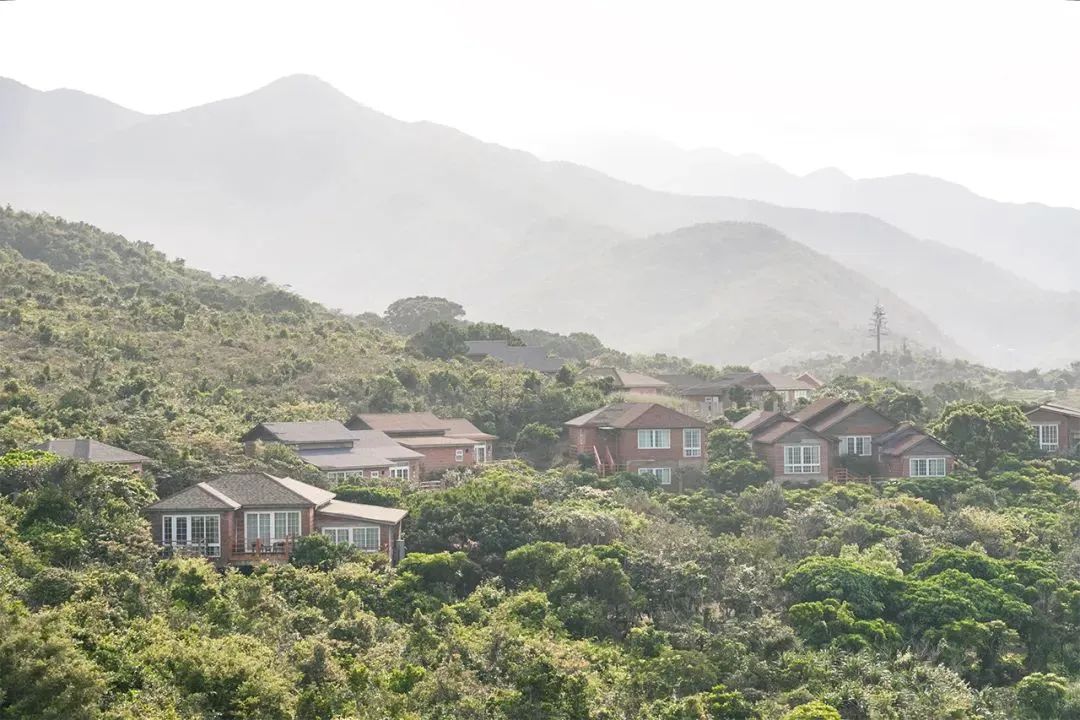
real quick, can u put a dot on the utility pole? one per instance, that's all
(879, 324)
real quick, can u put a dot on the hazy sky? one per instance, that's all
(983, 92)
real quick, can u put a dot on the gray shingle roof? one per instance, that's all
(91, 451)
(257, 489)
(412, 423)
(530, 358)
(371, 449)
(196, 497)
(317, 431)
(623, 415)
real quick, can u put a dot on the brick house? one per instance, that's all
(855, 441)
(752, 389)
(341, 454)
(793, 451)
(442, 444)
(251, 517)
(1057, 428)
(626, 381)
(92, 451)
(646, 438)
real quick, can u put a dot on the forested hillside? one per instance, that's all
(543, 594)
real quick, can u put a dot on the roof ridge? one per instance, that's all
(217, 494)
(279, 481)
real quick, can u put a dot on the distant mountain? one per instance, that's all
(1031, 239)
(726, 293)
(299, 183)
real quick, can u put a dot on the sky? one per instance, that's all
(982, 92)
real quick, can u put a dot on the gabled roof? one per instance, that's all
(460, 427)
(530, 358)
(90, 451)
(357, 511)
(905, 437)
(196, 497)
(625, 378)
(626, 415)
(818, 409)
(422, 441)
(417, 423)
(809, 379)
(756, 419)
(259, 489)
(1055, 408)
(296, 433)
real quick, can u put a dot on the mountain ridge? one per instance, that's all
(356, 213)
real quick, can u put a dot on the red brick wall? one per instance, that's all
(900, 466)
(441, 458)
(1066, 427)
(626, 452)
(773, 456)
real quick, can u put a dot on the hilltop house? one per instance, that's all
(840, 439)
(626, 381)
(251, 517)
(523, 356)
(1057, 428)
(340, 453)
(442, 444)
(93, 451)
(740, 389)
(646, 438)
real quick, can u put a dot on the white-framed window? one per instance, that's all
(656, 439)
(802, 459)
(927, 467)
(459, 455)
(375, 473)
(199, 533)
(400, 472)
(266, 529)
(691, 442)
(336, 477)
(1075, 441)
(364, 537)
(800, 394)
(1047, 435)
(480, 453)
(661, 474)
(856, 445)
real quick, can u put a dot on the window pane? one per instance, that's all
(181, 529)
(166, 530)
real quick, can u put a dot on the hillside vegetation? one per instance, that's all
(550, 594)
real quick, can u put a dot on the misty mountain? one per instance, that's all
(1031, 239)
(727, 293)
(299, 183)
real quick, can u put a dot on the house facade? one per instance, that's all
(441, 444)
(745, 389)
(92, 451)
(341, 454)
(832, 438)
(253, 517)
(626, 381)
(646, 438)
(1057, 428)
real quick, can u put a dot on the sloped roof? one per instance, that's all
(530, 358)
(90, 451)
(625, 378)
(777, 430)
(779, 381)
(625, 415)
(414, 422)
(434, 441)
(817, 409)
(810, 379)
(256, 489)
(316, 431)
(755, 419)
(905, 437)
(373, 513)
(371, 448)
(460, 427)
(196, 497)
(1059, 409)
